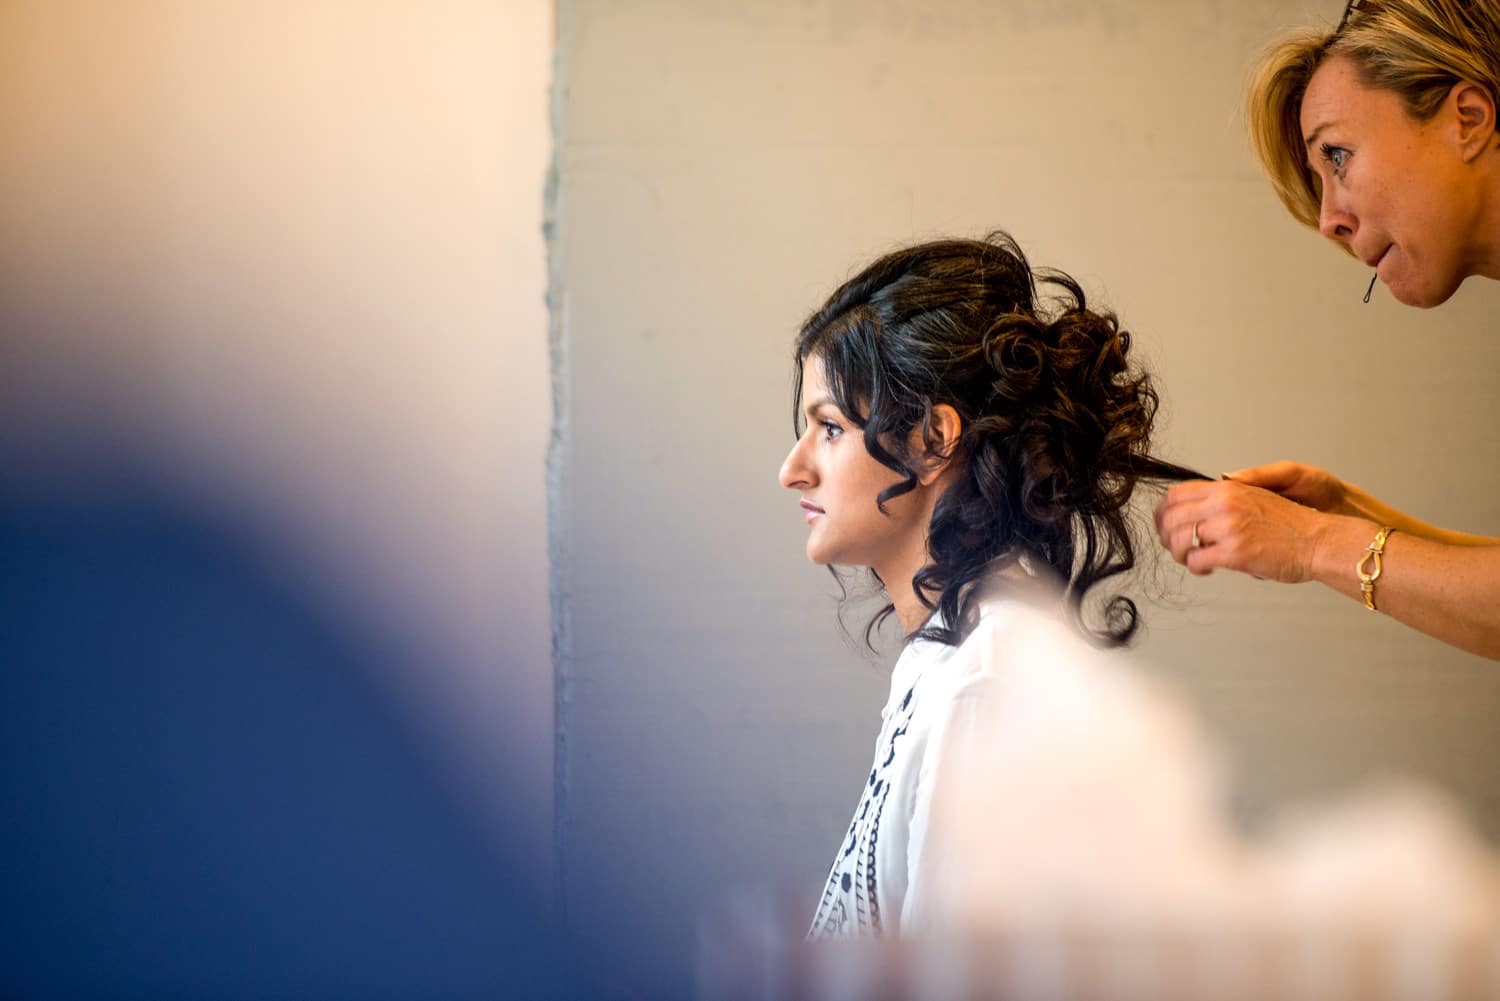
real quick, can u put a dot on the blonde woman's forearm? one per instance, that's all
(1448, 591)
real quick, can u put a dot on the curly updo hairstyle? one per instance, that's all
(1056, 425)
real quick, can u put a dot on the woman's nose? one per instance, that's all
(1334, 220)
(794, 474)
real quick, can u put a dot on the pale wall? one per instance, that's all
(723, 165)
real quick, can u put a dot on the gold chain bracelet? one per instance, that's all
(1371, 558)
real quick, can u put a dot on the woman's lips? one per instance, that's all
(811, 511)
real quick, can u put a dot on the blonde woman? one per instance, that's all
(1382, 135)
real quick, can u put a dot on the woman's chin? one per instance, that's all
(1420, 298)
(1423, 292)
(824, 555)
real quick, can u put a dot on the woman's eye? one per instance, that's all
(831, 430)
(1337, 156)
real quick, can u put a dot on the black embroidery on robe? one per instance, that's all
(853, 879)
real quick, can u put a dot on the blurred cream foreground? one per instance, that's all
(1079, 846)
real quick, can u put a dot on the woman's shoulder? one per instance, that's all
(1022, 638)
(1021, 625)
(1018, 618)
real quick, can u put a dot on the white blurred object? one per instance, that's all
(1079, 846)
(1081, 793)
(1089, 806)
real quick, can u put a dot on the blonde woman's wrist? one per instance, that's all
(1355, 503)
(1338, 546)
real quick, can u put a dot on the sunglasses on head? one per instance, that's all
(1349, 8)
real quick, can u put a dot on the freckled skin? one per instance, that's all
(1419, 193)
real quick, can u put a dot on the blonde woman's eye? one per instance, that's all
(1337, 156)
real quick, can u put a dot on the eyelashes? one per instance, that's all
(1336, 156)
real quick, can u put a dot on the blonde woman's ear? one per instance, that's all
(1474, 109)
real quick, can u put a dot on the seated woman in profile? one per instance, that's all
(964, 443)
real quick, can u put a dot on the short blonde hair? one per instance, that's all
(1417, 49)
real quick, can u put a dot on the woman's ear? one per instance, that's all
(1474, 111)
(935, 443)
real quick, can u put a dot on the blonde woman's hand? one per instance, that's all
(1250, 529)
(1307, 485)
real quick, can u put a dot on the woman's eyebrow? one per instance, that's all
(1312, 136)
(811, 409)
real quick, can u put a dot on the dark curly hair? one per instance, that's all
(1056, 425)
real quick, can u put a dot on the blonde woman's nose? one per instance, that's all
(1335, 221)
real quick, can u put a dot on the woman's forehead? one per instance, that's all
(1337, 95)
(1328, 97)
(815, 393)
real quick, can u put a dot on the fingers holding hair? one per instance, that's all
(1184, 522)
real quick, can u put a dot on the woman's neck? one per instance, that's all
(897, 571)
(909, 609)
(896, 574)
(1485, 243)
